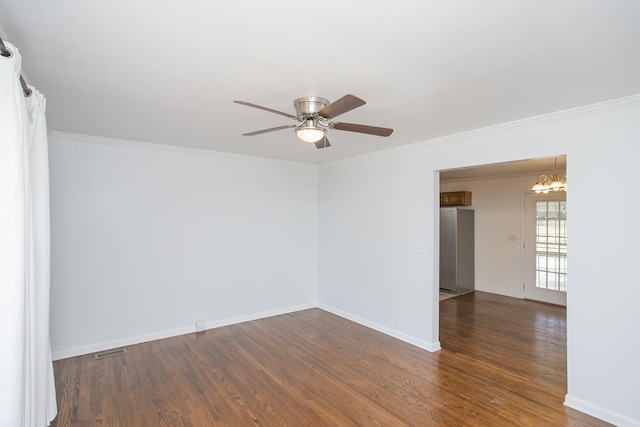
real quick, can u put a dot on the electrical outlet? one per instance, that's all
(201, 325)
(359, 296)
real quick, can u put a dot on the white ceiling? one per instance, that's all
(166, 72)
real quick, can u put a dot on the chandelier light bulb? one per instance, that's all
(542, 185)
(556, 186)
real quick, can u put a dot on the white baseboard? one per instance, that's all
(598, 412)
(107, 345)
(429, 346)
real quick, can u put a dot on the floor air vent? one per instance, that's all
(109, 353)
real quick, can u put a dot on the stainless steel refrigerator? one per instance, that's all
(457, 271)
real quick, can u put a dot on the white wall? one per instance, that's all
(141, 235)
(371, 218)
(374, 209)
(497, 203)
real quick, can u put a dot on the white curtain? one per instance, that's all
(27, 389)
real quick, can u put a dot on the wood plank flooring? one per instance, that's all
(503, 363)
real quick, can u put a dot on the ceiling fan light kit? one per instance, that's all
(309, 131)
(314, 114)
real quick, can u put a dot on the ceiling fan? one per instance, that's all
(313, 115)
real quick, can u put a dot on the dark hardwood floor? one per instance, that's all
(502, 364)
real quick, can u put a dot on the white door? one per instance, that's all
(545, 247)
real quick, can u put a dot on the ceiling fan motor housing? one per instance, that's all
(309, 106)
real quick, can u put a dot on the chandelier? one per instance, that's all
(553, 183)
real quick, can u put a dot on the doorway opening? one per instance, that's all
(498, 193)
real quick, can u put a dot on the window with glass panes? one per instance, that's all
(551, 245)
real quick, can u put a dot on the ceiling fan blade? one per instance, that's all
(342, 105)
(371, 130)
(248, 104)
(323, 143)
(258, 132)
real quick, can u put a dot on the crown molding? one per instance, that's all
(99, 140)
(529, 122)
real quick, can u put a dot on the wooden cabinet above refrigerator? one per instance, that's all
(455, 198)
